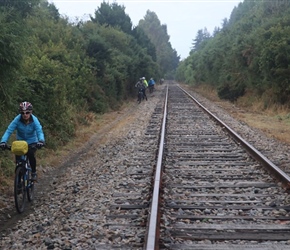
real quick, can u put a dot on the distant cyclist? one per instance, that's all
(143, 79)
(145, 82)
(29, 129)
(151, 84)
(141, 86)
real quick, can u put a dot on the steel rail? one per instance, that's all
(272, 168)
(153, 235)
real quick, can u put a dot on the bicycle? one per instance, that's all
(140, 95)
(151, 88)
(23, 183)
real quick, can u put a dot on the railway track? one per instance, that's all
(214, 195)
(186, 182)
(211, 192)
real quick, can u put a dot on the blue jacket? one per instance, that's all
(151, 82)
(31, 132)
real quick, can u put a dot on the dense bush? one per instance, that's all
(231, 92)
(252, 48)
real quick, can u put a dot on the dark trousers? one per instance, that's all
(144, 93)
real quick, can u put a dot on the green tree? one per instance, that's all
(249, 53)
(201, 38)
(167, 57)
(113, 15)
(144, 41)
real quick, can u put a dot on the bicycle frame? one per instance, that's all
(24, 162)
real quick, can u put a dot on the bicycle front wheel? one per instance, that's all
(19, 190)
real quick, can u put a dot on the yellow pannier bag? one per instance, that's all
(19, 147)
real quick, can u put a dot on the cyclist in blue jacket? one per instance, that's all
(29, 129)
(151, 84)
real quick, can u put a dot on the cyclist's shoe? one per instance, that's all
(33, 176)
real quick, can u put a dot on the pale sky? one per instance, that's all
(183, 17)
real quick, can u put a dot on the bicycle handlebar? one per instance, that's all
(32, 145)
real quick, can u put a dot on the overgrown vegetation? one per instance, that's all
(250, 53)
(67, 70)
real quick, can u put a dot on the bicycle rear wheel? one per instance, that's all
(19, 190)
(140, 96)
(30, 188)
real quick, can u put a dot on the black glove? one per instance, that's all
(3, 145)
(40, 144)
